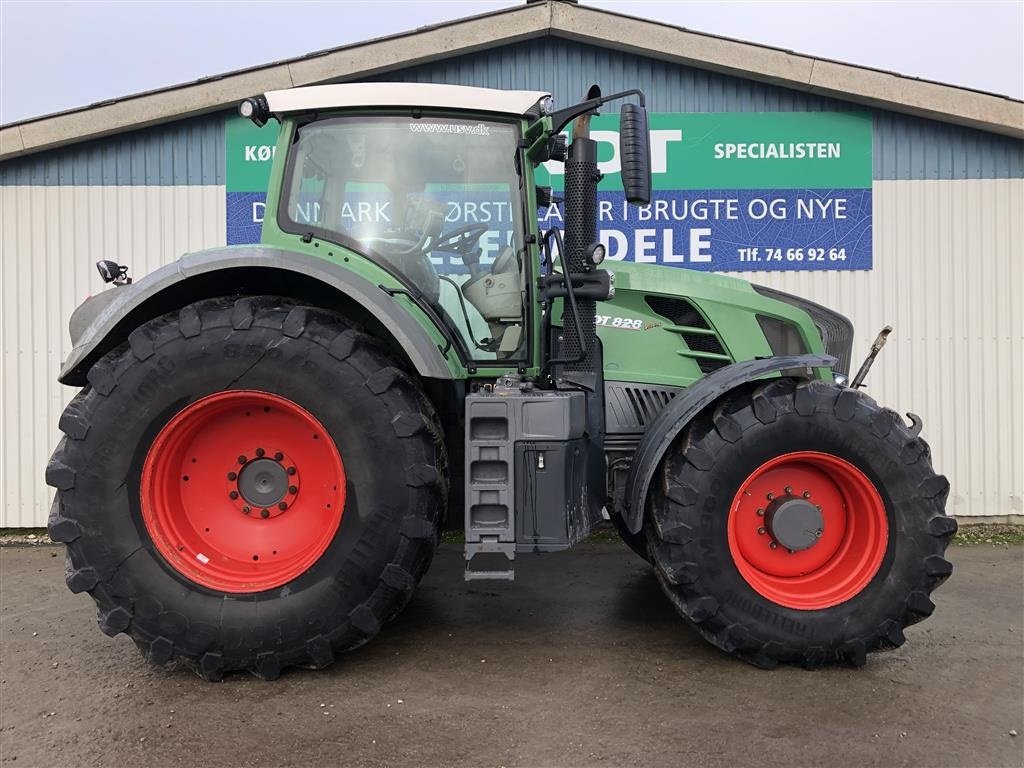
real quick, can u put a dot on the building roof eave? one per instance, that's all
(856, 84)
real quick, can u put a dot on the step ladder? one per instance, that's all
(490, 495)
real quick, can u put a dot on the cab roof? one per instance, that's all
(425, 95)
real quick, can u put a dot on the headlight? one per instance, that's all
(255, 109)
(835, 330)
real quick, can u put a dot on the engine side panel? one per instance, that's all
(649, 334)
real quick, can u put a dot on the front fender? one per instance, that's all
(104, 317)
(675, 416)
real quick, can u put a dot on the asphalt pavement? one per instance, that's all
(581, 661)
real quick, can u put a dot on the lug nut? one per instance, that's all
(264, 513)
(278, 456)
(818, 507)
(818, 532)
(789, 489)
(233, 495)
(293, 489)
(242, 459)
(770, 496)
(773, 545)
(760, 512)
(761, 531)
(232, 475)
(260, 452)
(807, 494)
(282, 505)
(291, 470)
(246, 510)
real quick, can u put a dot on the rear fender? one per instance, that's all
(681, 410)
(106, 320)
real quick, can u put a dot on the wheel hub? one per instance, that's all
(263, 483)
(794, 523)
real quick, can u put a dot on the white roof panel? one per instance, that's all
(426, 95)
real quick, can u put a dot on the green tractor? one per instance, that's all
(270, 439)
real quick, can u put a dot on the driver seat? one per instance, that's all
(497, 295)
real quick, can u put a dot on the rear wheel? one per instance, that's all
(800, 523)
(248, 484)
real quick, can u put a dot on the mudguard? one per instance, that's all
(100, 316)
(674, 417)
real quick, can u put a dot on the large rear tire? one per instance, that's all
(800, 523)
(248, 485)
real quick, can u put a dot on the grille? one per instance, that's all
(630, 408)
(678, 311)
(681, 312)
(837, 337)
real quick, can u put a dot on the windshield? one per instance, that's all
(435, 200)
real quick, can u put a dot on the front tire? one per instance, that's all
(248, 485)
(858, 515)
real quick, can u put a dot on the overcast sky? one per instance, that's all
(58, 55)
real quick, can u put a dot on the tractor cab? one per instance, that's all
(435, 199)
(429, 182)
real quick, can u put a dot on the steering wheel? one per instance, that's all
(463, 242)
(410, 256)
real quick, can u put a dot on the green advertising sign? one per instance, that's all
(744, 150)
(250, 153)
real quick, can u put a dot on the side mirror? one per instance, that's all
(112, 272)
(635, 151)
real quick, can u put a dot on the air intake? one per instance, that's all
(630, 408)
(699, 337)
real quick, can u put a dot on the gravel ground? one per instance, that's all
(580, 662)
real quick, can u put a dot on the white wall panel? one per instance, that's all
(50, 238)
(949, 277)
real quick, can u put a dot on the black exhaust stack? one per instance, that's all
(580, 344)
(581, 177)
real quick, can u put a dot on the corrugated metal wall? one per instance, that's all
(948, 242)
(188, 152)
(50, 238)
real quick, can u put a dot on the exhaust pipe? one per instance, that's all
(581, 177)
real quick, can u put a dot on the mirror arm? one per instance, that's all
(562, 117)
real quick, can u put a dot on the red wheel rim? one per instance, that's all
(848, 546)
(242, 491)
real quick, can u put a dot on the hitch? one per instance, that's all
(876, 347)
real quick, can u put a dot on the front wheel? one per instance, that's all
(799, 523)
(248, 485)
